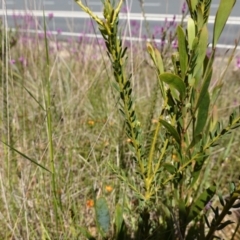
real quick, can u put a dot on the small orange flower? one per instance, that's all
(154, 121)
(175, 158)
(109, 188)
(91, 122)
(90, 203)
(129, 140)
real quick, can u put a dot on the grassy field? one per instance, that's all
(84, 135)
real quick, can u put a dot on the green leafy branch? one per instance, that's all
(109, 30)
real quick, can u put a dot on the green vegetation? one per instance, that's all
(106, 147)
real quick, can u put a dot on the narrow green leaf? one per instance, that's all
(25, 156)
(151, 52)
(195, 176)
(199, 163)
(221, 200)
(224, 224)
(118, 218)
(156, 57)
(123, 52)
(199, 204)
(223, 13)
(40, 105)
(232, 187)
(171, 130)
(192, 5)
(169, 167)
(191, 32)
(195, 43)
(200, 18)
(207, 8)
(183, 54)
(204, 89)
(174, 94)
(102, 214)
(201, 50)
(206, 220)
(116, 86)
(202, 115)
(175, 82)
(195, 140)
(159, 60)
(182, 208)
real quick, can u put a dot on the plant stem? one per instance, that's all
(49, 124)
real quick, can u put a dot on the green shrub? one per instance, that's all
(170, 179)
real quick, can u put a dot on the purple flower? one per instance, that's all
(171, 23)
(208, 53)
(101, 42)
(12, 61)
(238, 62)
(162, 43)
(208, 205)
(80, 39)
(157, 30)
(49, 34)
(28, 18)
(144, 37)
(184, 8)
(23, 61)
(134, 23)
(50, 16)
(125, 10)
(175, 44)
(20, 16)
(59, 31)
